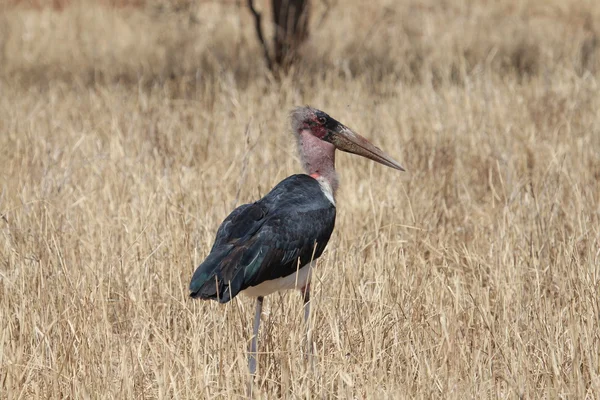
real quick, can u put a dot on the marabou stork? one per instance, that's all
(270, 245)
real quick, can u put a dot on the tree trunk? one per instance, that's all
(291, 29)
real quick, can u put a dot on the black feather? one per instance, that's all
(266, 240)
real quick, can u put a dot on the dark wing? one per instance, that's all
(266, 240)
(208, 280)
(241, 221)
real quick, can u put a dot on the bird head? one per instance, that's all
(324, 127)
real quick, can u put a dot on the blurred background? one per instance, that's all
(129, 129)
(191, 41)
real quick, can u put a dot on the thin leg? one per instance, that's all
(306, 298)
(252, 357)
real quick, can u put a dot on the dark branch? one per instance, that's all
(291, 29)
(259, 33)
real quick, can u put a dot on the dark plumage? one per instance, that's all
(269, 245)
(266, 240)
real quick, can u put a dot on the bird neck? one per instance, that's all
(318, 158)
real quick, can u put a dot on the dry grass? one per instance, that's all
(475, 275)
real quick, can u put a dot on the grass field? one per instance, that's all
(128, 134)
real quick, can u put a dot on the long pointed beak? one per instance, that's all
(343, 138)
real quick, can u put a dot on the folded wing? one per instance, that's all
(266, 240)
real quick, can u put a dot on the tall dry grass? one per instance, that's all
(474, 275)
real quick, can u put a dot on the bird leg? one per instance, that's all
(306, 297)
(252, 357)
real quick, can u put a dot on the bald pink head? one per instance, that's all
(322, 126)
(319, 136)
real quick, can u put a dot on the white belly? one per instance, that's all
(297, 280)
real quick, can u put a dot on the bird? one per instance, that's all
(272, 244)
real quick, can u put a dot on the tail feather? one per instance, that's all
(207, 281)
(227, 270)
(222, 275)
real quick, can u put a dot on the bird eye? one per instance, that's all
(322, 120)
